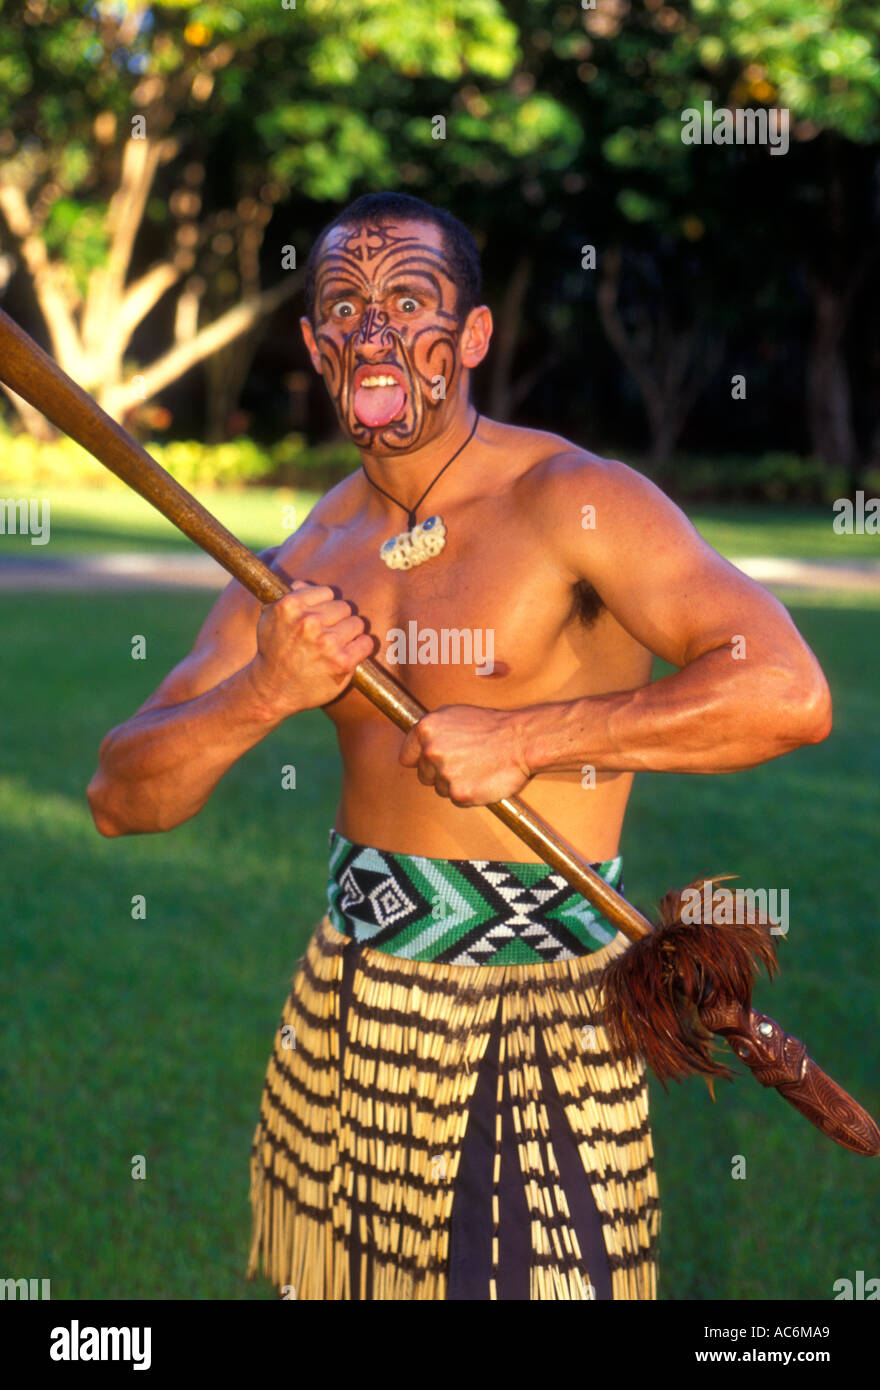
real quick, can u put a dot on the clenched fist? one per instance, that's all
(471, 755)
(308, 644)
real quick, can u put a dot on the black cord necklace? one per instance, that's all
(420, 542)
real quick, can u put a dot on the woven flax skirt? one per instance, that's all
(431, 1130)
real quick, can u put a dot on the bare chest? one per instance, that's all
(488, 621)
(474, 596)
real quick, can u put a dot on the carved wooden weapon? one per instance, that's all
(666, 996)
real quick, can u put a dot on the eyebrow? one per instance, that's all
(418, 291)
(336, 285)
(418, 275)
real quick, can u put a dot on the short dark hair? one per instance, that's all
(461, 249)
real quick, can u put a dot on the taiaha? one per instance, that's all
(678, 985)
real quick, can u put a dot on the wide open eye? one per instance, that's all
(343, 310)
(407, 305)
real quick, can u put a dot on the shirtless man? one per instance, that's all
(582, 570)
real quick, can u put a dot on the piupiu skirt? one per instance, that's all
(451, 1132)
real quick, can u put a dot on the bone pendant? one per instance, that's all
(414, 547)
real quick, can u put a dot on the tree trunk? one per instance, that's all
(666, 427)
(34, 421)
(829, 399)
(671, 366)
(509, 320)
(225, 375)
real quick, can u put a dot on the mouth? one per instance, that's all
(379, 395)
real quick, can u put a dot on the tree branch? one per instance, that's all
(47, 279)
(612, 322)
(140, 298)
(210, 339)
(140, 160)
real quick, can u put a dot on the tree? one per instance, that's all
(817, 62)
(100, 106)
(678, 228)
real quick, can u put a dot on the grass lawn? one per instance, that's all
(84, 520)
(124, 1037)
(115, 518)
(791, 532)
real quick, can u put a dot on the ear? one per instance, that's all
(309, 340)
(476, 336)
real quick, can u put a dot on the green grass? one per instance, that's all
(792, 532)
(114, 518)
(122, 1037)
(806, 1213)
(85, 520)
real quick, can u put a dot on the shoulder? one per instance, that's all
(563, 472)
(589, 511)
(550, 480)
(561, 482)
(335, 508)
(548, 464)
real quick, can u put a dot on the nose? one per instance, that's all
(371, 330)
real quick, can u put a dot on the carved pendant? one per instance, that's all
(414, 547)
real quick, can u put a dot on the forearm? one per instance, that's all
(159, 768)
(715, 715)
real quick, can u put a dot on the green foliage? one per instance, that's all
(29, 465)
(80, 233)
(324, 148)
(442, 40)
(818, 58)
(770, 477)
(538, 125)
(870, 482)
(329, 98)
(322, 465)
(636, 207)
(558, 119)
(195, 464)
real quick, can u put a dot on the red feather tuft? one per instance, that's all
(653, 991)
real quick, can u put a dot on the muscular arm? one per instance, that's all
(159, 768)
(749, 687)
(250, 668)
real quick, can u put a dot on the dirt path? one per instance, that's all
(122, 570)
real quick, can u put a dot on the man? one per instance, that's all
(443, 1117)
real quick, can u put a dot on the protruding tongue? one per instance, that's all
(378, 405)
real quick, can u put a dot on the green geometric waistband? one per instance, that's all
(462, 911)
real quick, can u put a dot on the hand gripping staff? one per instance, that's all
(679, 983)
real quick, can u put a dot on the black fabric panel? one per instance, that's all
(470, 1262)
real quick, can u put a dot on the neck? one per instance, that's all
(406, 475)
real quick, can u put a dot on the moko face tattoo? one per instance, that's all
(387, 332)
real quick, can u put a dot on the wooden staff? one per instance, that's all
(665, 997)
